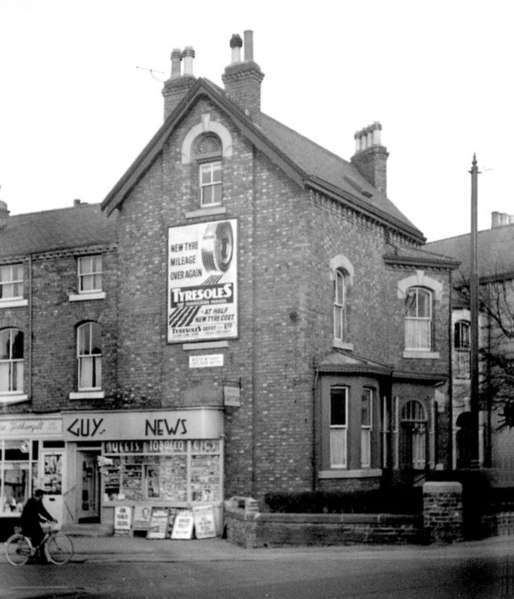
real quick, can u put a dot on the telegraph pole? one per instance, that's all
(474, 401)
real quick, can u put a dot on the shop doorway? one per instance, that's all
(89, 486)
(51, 475)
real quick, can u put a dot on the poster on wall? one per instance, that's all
(202, 282)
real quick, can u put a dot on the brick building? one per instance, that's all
(496, 285)
(245, 312)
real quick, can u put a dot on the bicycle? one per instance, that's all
(57, 547)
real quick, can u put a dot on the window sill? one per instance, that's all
(82, 297)
(8, 398)
(363, 473)
(87, 395)
(342, 344)
(421, 354)
(215, 210)
(13, 303)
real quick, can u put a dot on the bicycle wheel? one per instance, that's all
(59, 549)
(18, 550)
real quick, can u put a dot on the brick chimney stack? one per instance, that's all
(242, 78)
(500, 219)
(177, 86)
(370, 157)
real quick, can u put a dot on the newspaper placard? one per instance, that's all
(183, 525)
(202, 282)
(205, 527)
(158, 528)
(122, 518)
(142, 517)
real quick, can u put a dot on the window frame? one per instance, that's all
(211, 185)
(94, 358)
(15, 376)
(341, 428)
(94, 274)
(413, 323)
(339, 305)
(462, 351)
(366, 429)
(12, 281)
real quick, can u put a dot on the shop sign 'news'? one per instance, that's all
(173, 424)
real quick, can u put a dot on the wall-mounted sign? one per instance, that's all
(202, 282)
(16, 428)
(200, 423)
(208, 361)
(232, 396)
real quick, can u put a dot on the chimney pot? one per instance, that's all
(248, 35)
(235, 44)
(176, 58)
(188, 54)
(4, 214)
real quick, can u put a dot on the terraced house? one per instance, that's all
(245, 312)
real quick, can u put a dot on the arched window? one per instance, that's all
(418, 319)
(462, 347)
(89, 356)
(208, 152)
(413, 435)
(11, 361)
(339, 305)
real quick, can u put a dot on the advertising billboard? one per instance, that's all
(202, 282)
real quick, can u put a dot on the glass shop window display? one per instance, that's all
(18, 473)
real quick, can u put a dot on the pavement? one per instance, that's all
(140, 549)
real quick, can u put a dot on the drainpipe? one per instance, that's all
(450, 370)
(29, 390)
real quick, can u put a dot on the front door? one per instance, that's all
(89, 492)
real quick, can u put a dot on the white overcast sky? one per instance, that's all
(76, 110)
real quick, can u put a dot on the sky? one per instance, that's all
(79, 102)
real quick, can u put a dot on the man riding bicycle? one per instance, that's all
(34, 512)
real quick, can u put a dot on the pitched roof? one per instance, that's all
(495, 251)
(419, 258)
(304, 161)
(36, 232)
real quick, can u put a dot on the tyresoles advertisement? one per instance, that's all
(202, 282)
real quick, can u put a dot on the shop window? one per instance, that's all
(366, 426)
(418, 319)
(462, 349)
(18, 474)
(11, 282)
(89, 356)
(172, 471)
(338, 427)
(11, 361)
(90, 274)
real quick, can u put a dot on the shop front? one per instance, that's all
(31, 456)
(144, 460)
